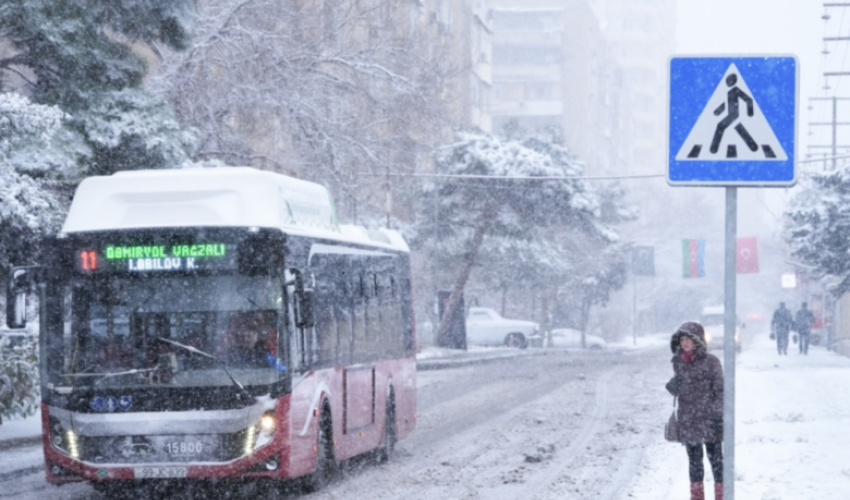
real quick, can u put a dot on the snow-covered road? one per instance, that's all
(566, 425)
(556, 427)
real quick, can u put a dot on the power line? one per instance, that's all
(522, 177)
(824, 159)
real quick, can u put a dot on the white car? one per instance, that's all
(484, 326)
(712, 321)
(567, 337)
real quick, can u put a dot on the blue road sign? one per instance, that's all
(733, 121)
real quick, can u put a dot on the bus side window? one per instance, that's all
(324, 269)
(360, 321)
(346, 318)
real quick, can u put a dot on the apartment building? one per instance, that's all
(465, 31)
(552, 67)
(641, 34)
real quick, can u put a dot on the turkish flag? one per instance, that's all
(747, 256)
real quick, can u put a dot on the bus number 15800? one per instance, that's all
(184, 448)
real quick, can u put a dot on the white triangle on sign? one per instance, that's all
(741, 137)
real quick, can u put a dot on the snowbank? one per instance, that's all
(791, 437)
(21, 427)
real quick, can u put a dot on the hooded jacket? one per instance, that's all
(699, 387)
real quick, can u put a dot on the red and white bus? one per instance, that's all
(217, 323)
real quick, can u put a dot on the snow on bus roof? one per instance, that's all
(214, 197)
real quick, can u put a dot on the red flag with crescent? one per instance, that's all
(747, 256)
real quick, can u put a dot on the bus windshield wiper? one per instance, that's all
(221, 362)
(106, 375)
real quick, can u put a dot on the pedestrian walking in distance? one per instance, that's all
(780, 325)
(803, 324)
(698, 384)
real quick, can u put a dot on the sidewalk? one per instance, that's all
(437, 358)
(791, 439)
(20, 447)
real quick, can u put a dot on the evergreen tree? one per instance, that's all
(817, 226)
(27, 207)
(514, 198)
(78, 55)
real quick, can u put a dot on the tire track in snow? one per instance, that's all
(585, 435)
(473, 448)
(636, 409)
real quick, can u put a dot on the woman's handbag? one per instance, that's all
(671, 429)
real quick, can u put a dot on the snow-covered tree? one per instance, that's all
(79, 55)
(817, 226)
(497, 193)
(339, 91)
(19, 387)
(28, 208)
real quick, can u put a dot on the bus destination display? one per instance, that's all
(157, 258)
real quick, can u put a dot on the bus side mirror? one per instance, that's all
(305, 299)
(306, 304)
(17, 287)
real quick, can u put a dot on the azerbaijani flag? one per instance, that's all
(693, 258)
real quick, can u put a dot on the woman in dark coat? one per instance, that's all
(698, 385)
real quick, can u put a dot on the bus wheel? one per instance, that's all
(325, 459)
(388, 441)
(516, 340)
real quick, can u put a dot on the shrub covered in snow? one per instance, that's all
(19, 381)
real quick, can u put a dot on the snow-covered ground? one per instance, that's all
(791, 439)
(576, 425)
(17, 458)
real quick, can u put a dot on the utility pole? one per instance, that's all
(834, 123)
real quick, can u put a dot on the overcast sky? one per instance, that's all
(773, 27)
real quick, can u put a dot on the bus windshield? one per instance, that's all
(141, 331)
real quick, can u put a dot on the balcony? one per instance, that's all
(548, 72)
(532, 38)
(527, 108)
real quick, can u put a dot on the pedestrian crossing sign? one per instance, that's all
(732, 121)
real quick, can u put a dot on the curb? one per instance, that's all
(15, 474)
(443, 363)
(8, 444)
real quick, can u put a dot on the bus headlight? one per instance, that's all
(64, 440)
(261, 433)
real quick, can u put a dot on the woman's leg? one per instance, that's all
(715, 458)
(695, 468)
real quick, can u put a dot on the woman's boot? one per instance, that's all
(697, 491)
(718, 491)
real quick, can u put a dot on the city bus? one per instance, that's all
(217, 323)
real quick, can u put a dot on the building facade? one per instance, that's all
(553, 68)
(641, 34)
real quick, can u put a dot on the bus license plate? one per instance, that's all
(159, 472)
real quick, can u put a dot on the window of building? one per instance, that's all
(638, 22)
(524, 55)
(537, 91)
(508, 91)
(531, 20)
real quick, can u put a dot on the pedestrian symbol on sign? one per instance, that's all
(753, 139)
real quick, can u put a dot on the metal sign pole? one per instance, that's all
(704, 149)
(729, 344)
